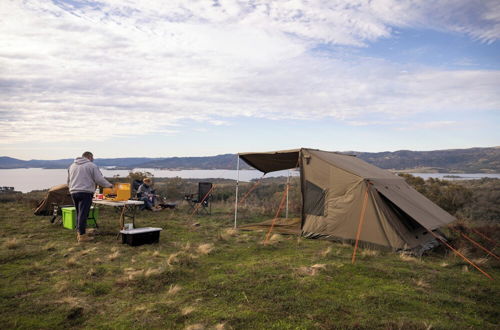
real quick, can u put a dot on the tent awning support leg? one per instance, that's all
(237, 186)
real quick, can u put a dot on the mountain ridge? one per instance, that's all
(471, 160)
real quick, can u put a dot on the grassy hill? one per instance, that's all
(203, 275)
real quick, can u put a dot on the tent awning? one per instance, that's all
(272, 161)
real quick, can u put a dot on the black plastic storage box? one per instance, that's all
(139, 236)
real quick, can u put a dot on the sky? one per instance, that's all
(151, 78)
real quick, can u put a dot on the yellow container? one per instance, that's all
(119, 192)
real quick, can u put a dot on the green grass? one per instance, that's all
(47, 280)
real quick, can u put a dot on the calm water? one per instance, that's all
(28, 179)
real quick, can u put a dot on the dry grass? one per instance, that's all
(181, 258)
(62, 286)
(12, 243)
(220, 326)
(144, 308)
(153, 272)
(113, 256)
(326, 252)
(464, 251)
(187, 310)
(276, 238)
(205, 248)
(87, 251)
(186, 246)
(72, 262)
(428, 326)
(311, 270)
(132, 274)
(227, 234)
(480, 261)
(50, 246)
(231, 232)
(422, 283)
(407, 257)
(195, 327)
(369, 253)
(465, 269)
(174, 289)
(91, 272)
(156, 254)
(71, 301)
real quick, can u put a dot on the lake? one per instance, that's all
(28, 179)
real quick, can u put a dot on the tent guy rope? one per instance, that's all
(459, 254)
(197, 206)
(479, 245)
(361, 220)
(285, 193)
(251, 189)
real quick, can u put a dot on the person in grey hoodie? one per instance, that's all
(83, 175)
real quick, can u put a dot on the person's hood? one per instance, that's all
(81, 160)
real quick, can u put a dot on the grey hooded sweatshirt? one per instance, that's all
(83, 175)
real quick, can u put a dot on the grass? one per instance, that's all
(209, 276)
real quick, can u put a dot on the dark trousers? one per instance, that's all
(149, 202)
(82, 201)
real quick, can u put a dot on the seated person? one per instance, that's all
(146, 194)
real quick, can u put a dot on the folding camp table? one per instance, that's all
(127, 209)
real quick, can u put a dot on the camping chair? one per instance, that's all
(135, 185)
(202, 198)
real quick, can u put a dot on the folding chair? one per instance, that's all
(203, 198)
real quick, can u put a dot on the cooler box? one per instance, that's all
(139, 236)
(69, 217)
(119, 192)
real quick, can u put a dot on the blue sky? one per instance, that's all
(177, 78)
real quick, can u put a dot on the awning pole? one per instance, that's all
(237, 186)
(287, 188)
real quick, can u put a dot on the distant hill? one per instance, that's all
(226, 161)
(473, 160)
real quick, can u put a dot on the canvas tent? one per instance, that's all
(336, 187)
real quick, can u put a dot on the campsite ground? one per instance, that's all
(209, 276)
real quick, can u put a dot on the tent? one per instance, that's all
(57, 195)
(346, 199)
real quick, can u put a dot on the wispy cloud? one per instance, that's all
(438, 124)
(146, 66)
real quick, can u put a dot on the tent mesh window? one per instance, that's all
(314, 199)
(406, 220)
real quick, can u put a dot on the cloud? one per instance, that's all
(432, 125)
(94, 70)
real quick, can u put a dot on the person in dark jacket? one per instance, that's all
(146, 194)
(83, 176)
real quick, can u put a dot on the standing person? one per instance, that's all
(83, 175)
